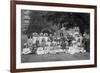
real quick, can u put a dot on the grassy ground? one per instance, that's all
(54, 57)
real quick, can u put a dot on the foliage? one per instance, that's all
(55, 20)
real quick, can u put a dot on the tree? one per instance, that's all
(55, 20)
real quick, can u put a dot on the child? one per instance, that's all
(26, 50)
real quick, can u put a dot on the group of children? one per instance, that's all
(44, 43)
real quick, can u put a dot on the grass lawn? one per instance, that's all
(54, 57)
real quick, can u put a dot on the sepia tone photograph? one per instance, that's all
(48, 36)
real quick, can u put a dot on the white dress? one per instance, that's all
(34, 39)
(26, 51)
(40, 39)
(46, 38)
(40, 51)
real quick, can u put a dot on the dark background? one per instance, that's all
(53, 21)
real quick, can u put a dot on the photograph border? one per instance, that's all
(13, 35)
